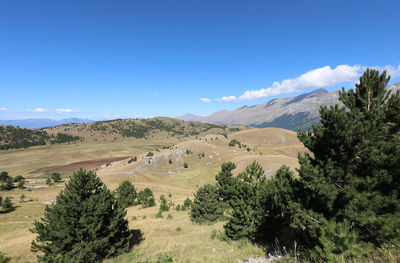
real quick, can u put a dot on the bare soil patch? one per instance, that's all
(88, 165)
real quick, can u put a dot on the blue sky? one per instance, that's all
(104, 59)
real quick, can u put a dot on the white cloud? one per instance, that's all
(316, 78)
(66, 111)
(37, 110)
(206, 100)
(3, 109)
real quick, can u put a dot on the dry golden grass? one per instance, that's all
(193, 243)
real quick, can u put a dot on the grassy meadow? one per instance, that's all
(174, 232)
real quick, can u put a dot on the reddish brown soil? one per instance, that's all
(88, 165)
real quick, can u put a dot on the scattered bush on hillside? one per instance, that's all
(56, 177)
(133, 159)
(187, 204)
(149, 154)
(234, 142)
(85, 224)
(185, 165)
(206, 208)
(126, 194)
(6, 204)
(146, 198)
(19, 178)
(163, 204)
(7, 185)
(21, 185)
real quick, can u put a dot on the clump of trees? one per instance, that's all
(234, 142)
(344, 201)
(206, 207)
(86, 224)
(7, 182)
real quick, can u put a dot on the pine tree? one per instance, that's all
(7, 205)
(206, 207)
(226, 182)
(146, 198)
(352, 178)
(126, 194)
(245, 204)
(86, 224)
(163, 204)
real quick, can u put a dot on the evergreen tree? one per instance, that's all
(86, 224)
(226, 182)
(245, 204)
(126, 194)
(163, 204)
(56, 177)
(7, 184)
(146, 198)
(7, 205)
(206, 207)
(352, 178)
(4, 176)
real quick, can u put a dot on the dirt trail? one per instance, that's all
(88, 165)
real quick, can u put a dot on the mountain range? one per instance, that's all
(42, 123)
(293, 113)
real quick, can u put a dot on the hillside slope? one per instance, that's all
(293, 113)
(160, 127)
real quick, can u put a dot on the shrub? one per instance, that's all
(126, 194)
(206, 208)
(21, 184)
(187, 204)
(146, 198)
(56, 177)
(178, 229)
(185, 165)
(163, 204)
(4, 258)
(165, 257)
(86, 224)
(7, 205)
(159, 214)
(170, 161)
(149, 154)
(19, 178)
(7, 184)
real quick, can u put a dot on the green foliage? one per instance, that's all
(185, 165)
(170, 216)
(178, 208)
(48, 181)
(56, 177)
(226, 182)
(22, 198)
(15, 137)
(150, 154)
(338, 243)
(178, 229)
(19, 178)
(7, 205)
(165, 257)
(126, 194)
(206, 208)
(21, 184)
(7, 185)
(187, 204)
(133, 159)
(4, 258)
(170, 161)
(347, 194)
(246, 203)
(146, 198)
(234, 142)
(86, 224)
(4, 176)
(169, 195)
(159, 214)
(163, 204)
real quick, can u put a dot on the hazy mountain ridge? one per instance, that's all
(294, 113)
(41, 123)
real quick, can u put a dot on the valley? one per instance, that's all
(162, 171)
